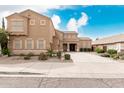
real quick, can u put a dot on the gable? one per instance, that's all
(15, 16)
(30, 13)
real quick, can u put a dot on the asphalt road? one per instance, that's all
(42, 82)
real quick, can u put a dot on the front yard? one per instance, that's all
(111, 53)
(49, 56)
(88, 65)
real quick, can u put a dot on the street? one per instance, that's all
(43, 82)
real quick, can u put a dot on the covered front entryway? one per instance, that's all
(69, 47)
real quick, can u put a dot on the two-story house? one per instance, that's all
(33, 32)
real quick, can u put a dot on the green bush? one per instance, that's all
(105, 55)
(67, 57)
(81, 49)
(85, 49)
(112, 51)
(99, 50)
(59, 54)
(6, 51)
(114, 56)
(54, 54)
(27, 57)
(43, 56)
(50, 52)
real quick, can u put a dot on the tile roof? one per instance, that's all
(69, 31)
(109, 40)
(84, 38)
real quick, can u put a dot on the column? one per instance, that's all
(68, 47)
(77, 47)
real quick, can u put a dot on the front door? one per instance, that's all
(72, 47)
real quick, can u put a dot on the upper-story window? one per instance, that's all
(73, 36)
(65, 36)
(69, 36)
(32, 22)
(17, 25)
(42, 22)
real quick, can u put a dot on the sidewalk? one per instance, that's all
(80, 70)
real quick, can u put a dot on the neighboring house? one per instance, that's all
(113, 42)
(33, 32)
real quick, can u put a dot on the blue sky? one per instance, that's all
(93, 21)
(102, 20)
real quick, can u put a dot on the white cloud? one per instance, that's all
(82, 20)
(74, 25)
(56, 21)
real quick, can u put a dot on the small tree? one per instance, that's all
(3, 39)
(3, 24)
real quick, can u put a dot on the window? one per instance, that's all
(73, 36)
(69, 36)
(40, 44)
(17, 44)
(17, 25)
(32, 22)
(42, 22)
(65, 36)
(29, 44)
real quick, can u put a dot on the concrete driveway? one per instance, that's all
(85, 65)
(88, 57)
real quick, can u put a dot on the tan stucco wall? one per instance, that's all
(85, 44)
(37, 31)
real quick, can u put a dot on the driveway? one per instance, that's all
(85, 65)
(88, 57)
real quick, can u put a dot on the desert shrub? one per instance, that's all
(59, 54)
(122, 57)
(27, 57)
(50, 52)
(67, 57)
(81, 49)
(85, 49)
(54, 54)
(99, 50)
(114, 56)
(43, 56)
(105, 55)
(89, 49)
(121, 53)
(112, 51)
(30, 54)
